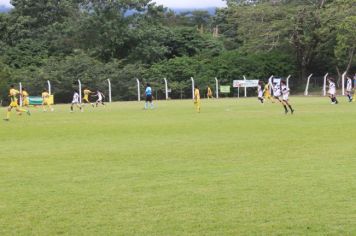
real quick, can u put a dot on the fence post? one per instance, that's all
(270, 84)
(138, 90)
(166, 87)
(324, 85)
(216, 87)
(49, 87)
(21, 98)
(245, 87)
(109, 84)
(80, 90)
(193, 86)
(306, 92)
(343, 83)
(289, 76)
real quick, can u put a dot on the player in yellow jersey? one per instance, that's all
(13, 104)
(45, 101)
(209, 93)
(197, 99)
(25, 99)
(267, 94)
(87, 92)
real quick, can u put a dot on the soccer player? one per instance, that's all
(148, 94)
(260, 91)
(45, 101)
(349, 89)
(13, 93)
(25, 99)
(285, 97)
(197, 99)
(267, 94)
(76, 102)
(209, 93)
(332, 91)
(100, 97)
(277, 92)
(87, 92)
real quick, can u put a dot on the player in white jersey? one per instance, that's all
(260, 91)
(76, 101)
(285, 97)
(100, 99)
(349, 89)
(332, 91)
(277, 91)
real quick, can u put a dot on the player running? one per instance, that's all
(76, 102)
(148, 94)
(100, 97)
(277, 92)
(197, 99)
(209, 93)
(260, 91)
(87, 92)
(45, 101)
(25, 99)
(349, 89)
(332, 91)
(13, 93)
(266, 92)
(285, 97)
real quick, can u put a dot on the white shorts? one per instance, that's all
(260, 94)
(332, 91)
(285, 97)
(75, 102)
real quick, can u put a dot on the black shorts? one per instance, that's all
(149, 98)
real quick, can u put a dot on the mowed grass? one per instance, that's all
(237, 168)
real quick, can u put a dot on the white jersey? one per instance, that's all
(332, 88)
(276, 90)
(285, 92)
(75, 98)
(349, 85)
(260, 91)
(100, 96)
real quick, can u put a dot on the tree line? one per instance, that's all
(91, 40)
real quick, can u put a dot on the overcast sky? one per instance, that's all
(171, 3)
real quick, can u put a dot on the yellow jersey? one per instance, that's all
(45, 95)
(209, 91)
(24, 94)
(196, 94)
(13, 95)
(87, 92)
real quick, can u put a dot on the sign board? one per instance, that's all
(245, 83)
(225, 89)
(38, 100)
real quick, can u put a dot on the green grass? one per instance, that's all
(237, 168)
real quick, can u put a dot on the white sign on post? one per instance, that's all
(245, 83)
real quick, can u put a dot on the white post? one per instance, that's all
(166, 87)
(238, 92)
(288, 80)
(138, 90)
(80, 91)
(270, 84)
(193, 85)
(324, 85)
(49, 87)
(245, 88)
(307, 87)
(343, 83)
(21, 98)
(216, 87)
(109, 84)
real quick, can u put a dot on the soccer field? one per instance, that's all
(237, 168)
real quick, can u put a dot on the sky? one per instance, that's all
(171, 3)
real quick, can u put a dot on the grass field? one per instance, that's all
(237, 168)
